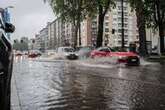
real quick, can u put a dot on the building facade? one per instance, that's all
(112, 32)
(59, 33)
(43, 34)
(31, 44)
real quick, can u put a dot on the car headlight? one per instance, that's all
(66, 54)
(76, 54)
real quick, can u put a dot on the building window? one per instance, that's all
(119, 13)
(106, 17)
(114, 19)
(125, 14)
(137, 37)
(125, 25)
(119, 8)
(120, 24)
(119, 30)
(125, 8)
(119, 42)
(119, 18)
(125, 19)
(106, 29)
(126, 30)
(126, 36)
(107, 24)
(106, 36)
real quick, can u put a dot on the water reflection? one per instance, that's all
(54, 86)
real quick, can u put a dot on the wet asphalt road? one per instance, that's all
(65, 85)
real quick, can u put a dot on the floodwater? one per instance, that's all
(67, 85)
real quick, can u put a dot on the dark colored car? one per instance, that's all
(6, 63)
(128, 58)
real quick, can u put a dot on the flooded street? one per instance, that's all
(62, 85)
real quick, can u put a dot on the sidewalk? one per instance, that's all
(156, 58)
(15, 102)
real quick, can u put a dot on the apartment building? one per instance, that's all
(68, 33)
(89, 31)
(52, 35)
(59, 34)
(130, 25)
(112, 22)
(37, 42)
(32, 44)
(44, 38)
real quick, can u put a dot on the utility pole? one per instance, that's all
(122, 22)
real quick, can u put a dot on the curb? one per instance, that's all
(15, 101)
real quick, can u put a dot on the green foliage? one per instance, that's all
(71, 10)
(155, 12)
(18, 45)
(151, 8)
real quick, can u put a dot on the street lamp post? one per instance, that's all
(122, 22)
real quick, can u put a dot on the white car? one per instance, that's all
(67, 53)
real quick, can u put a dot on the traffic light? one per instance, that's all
(113, 31)
(15, 41)
(21, 41)
(33, 41)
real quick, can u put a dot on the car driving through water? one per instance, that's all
(126, 57)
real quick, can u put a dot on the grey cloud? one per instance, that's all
(29, 16)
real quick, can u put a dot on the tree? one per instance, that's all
(156, 18)
(72, 11)
(16, 44)
(20, 45)
(102, 7)
(138, 6)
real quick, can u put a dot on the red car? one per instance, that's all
(129, 58)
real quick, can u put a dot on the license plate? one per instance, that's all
(133, 60)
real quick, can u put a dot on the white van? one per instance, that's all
(67, 53)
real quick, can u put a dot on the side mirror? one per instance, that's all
(9, 28)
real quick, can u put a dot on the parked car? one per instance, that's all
(18, 53)
(128, 58)
(67, 53)
(34, 54)
(84, 52)
(6, 63)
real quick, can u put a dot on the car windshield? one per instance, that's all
(104, 49)
(85, 49)
(117, 49)
(68, 50)
(113, 50)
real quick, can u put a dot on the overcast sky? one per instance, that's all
(29, 16)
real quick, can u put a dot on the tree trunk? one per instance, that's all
(79, 21)
(160, 25)
(79, 34)
(75, 35)
(100, 27)
(161, 35)
(142, 30)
